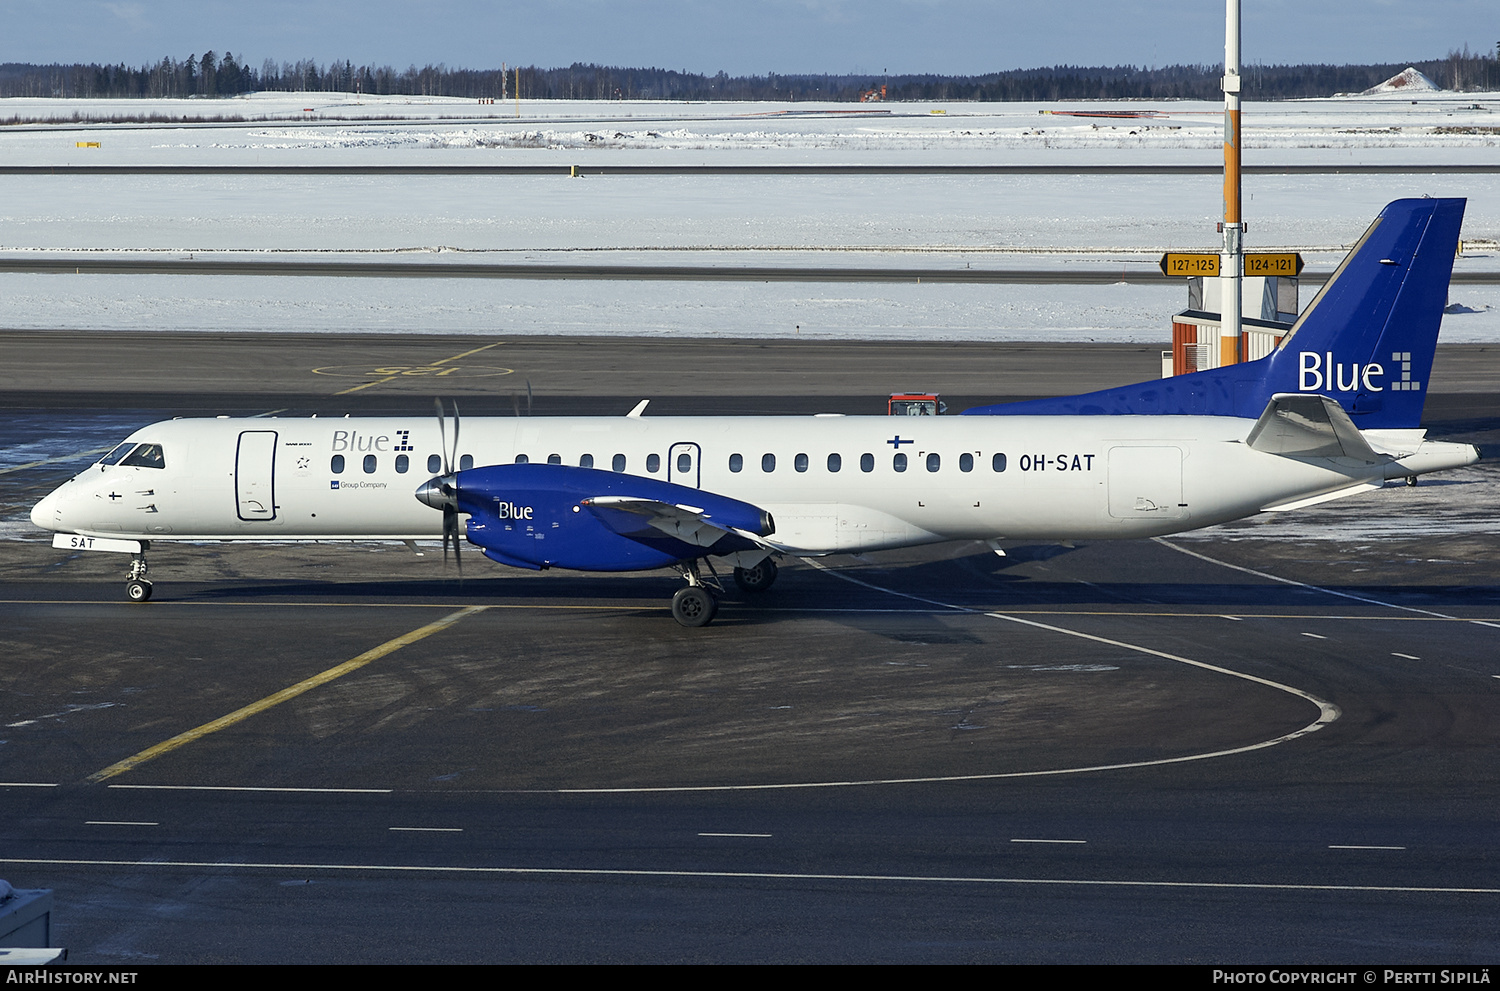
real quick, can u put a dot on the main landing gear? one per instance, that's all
(694, 606)
(138, 586)
(698, 603)
(757, 577)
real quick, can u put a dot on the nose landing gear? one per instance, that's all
(137, 586)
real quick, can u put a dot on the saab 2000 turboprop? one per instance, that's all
(1334, 411)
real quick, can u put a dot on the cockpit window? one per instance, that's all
(114, 456)
(145, 456)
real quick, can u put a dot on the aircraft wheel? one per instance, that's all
(694, 606)
(137, 590)
(757, 578)
(1411, 480)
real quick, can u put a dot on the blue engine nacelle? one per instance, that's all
(544, 516)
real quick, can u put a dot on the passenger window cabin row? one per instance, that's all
(403, 464)
(800, 462)
(900, 461)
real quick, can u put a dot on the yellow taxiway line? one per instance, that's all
(271, 701)
(432, 364)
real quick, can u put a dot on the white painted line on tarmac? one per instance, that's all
(1327, 713)
(315, 791)
(1408, 657)
(424, 829)
(1047, 841)
(800, 610)
(53, 784)
(117, 822)
(1356, 846)
(219, 865)
(1315, 636)
(753, 836)
(1318, 588)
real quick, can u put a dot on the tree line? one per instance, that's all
(213, 75)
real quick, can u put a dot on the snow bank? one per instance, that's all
(1408, 80)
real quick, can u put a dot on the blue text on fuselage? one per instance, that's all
(353, 440)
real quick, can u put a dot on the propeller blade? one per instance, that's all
(442, 437)
(447, 488)
(450, 532)
(456, 422)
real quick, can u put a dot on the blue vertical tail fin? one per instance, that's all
(1366, 341)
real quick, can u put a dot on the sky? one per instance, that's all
(745, 37)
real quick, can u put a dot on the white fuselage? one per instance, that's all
(837, 482)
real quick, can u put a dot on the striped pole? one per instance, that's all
(1232, 264)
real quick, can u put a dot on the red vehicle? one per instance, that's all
(915, 404)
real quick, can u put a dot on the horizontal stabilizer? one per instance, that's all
(1310, 426)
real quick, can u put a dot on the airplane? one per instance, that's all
(1332, 412)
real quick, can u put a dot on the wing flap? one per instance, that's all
(689, 524)
(632, 515)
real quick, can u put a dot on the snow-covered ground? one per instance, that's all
(1459, 503)
(317, 127)
(1097, 222)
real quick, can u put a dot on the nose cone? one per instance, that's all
(47, 514)
(439, 493)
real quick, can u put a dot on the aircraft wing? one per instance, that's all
(628, 515)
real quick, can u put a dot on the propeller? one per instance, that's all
(515, 400)
(442, 492)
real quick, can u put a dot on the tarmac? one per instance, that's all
(1227, 748)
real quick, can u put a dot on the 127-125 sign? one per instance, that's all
(1183, 264)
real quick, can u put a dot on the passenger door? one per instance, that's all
(255, 475)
